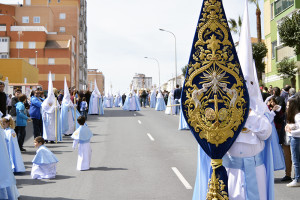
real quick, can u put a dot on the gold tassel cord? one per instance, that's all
(216, 186)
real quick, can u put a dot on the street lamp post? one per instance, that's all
(36, 59)
(158, 69)
(175, 54)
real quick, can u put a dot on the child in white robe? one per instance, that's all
(12, 144)
(82, 137)
(44, 162)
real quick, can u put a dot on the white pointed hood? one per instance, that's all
(96, 91)
(67, 98)
(248, 66)
(159, 95)
(49, 104)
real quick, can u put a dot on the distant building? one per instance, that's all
(170, 84)
(140, 81)
(93, 75)
(50, 35)
(274, 12)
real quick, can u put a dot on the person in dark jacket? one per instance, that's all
(123, 98)
(3, 99)
(21, 121)
(177, 96)
(35, 114)
(14, 101)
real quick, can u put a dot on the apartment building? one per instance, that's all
(50, 35)
(93, 75)
(274, 12)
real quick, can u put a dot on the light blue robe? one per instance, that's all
(44, 156)
(131, 100)
(118, 101)
(204, 171)
(153, 99)
(64, 118)
(182, 123)
(160, 104)
(96, 109)
(8, 189)
(14, 152)
(83, 134)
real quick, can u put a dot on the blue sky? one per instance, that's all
(122, 32)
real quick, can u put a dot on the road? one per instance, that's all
(136, 156)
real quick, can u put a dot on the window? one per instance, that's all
(28, 2)
(51, 61)
(281, 5)
(19, 45)
(272, 11)
(32, 61)
(62, 15)
(36, 20)
(58, 1)
(31, 45)
(3, 40)
(25, 19)
(62, 29)
(4, 56)
(274, 44)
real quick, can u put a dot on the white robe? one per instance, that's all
(249, 144)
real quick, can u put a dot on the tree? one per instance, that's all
(183, 69)
(288, 68)
(258, 21)
(289, 32)
(259, 51)
(235, 26)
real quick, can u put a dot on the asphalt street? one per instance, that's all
(136, 156)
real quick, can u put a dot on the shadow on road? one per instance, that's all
(278, 181)
(107, 168)
(44, 198)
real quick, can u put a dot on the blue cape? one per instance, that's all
(44, 156)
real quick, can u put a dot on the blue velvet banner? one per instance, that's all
(214, 99)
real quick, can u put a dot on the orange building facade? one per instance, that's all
(93, 75)
(47, 36)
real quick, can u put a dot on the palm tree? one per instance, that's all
(235, 26)
(258, 21)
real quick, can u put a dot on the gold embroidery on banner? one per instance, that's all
(214, 62)
(216, 109)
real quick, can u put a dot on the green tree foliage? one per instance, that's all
(288, 68)
(289, 32)
(259, 51)
(235, 26)
(183, 69)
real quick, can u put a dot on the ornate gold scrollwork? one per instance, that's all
(214, 62)
(215, 107)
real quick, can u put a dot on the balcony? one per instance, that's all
(282, 5)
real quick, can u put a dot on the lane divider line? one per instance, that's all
(181, 178)
(150, 136)
(139, 122)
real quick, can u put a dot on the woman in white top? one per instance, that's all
(293, 130)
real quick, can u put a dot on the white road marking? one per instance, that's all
(181, 178)
(134, 114)
(150, 136)
(139, 122)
